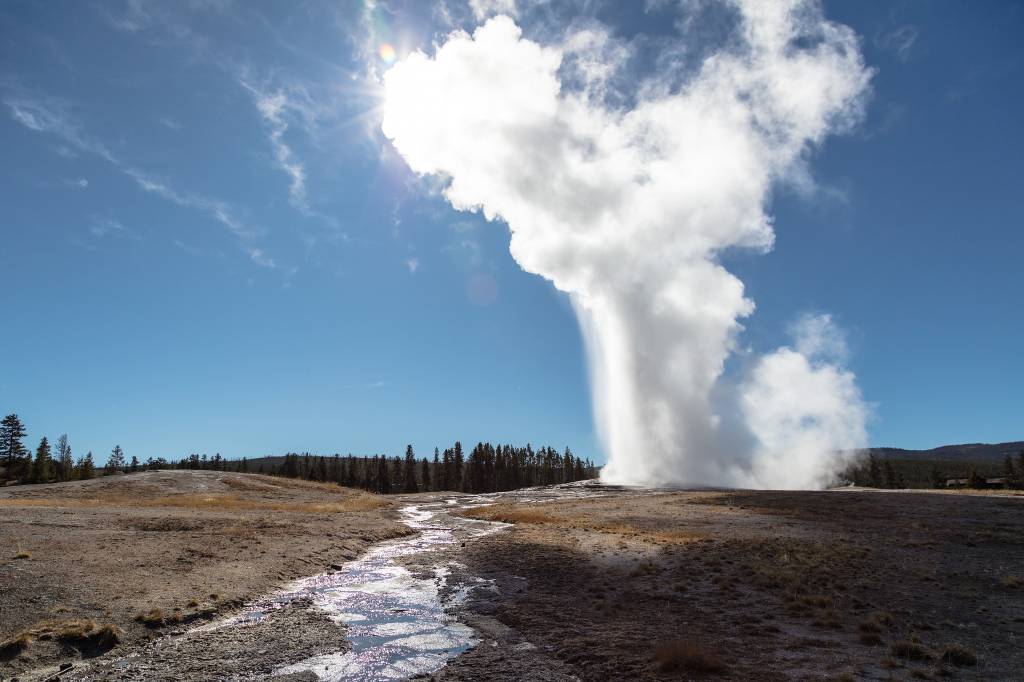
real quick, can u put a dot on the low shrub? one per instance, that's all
(687, 655)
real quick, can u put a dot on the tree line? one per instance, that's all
(874, 472)
(49, 463)
(487, 468)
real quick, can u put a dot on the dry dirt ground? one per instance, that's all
(836, 585)
(113, 562)
(610, 585)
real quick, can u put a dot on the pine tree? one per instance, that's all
(116, 461)
(425, 474)
(86, 468)
(366, 478)
(383, 477)
(134, 466)
(43, 464)
(874, 472)
(351, 472)
(456, 483)
(409, 471)
(63, 465)
(437, 464)
(1009, 472)
(938, 480)
(890, 475)
(13, 454)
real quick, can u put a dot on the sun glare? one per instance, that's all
(387, 53)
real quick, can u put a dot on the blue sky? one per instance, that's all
(207, 246)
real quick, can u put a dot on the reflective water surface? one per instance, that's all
(397, 621)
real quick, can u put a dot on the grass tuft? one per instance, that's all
(15, 645)
(22, 554)
(914, 651)
(83, 633)
(687, 655)
(154, 618)
(958, 654)
(870, 638)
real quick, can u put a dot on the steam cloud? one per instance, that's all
(627, 208)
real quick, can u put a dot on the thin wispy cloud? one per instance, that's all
(287, 107)
(108, 227)
(483, 9)
(899, 40)
(77, 183)
(137, 16)
(284, 104)
(169, 123)
(50, 116)
(273, 108)
(413, 264)
(215, 208)
(191, 250)
(260, 258)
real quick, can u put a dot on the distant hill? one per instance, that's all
(967, 452)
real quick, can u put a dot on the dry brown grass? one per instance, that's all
(689, 656)
(81, 632)
(355, 502)
(281, 482)
(507, 513)
(1012, 581)
(870, 627)
(15, 645)
(871, 630)
(870, 638)
(22, 554)
(154, 618)
(958, 654)
(577, 520)
(909, 649)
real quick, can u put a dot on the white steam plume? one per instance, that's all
(627, 210)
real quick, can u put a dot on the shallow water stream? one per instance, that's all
(397, 621)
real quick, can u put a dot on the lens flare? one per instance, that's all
(387, 53)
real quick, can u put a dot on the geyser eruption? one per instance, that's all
(627, 208)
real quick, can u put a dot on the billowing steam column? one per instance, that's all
(626, 210)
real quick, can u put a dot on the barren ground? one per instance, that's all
(612, 584)
(752, 585)
(181, 546)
